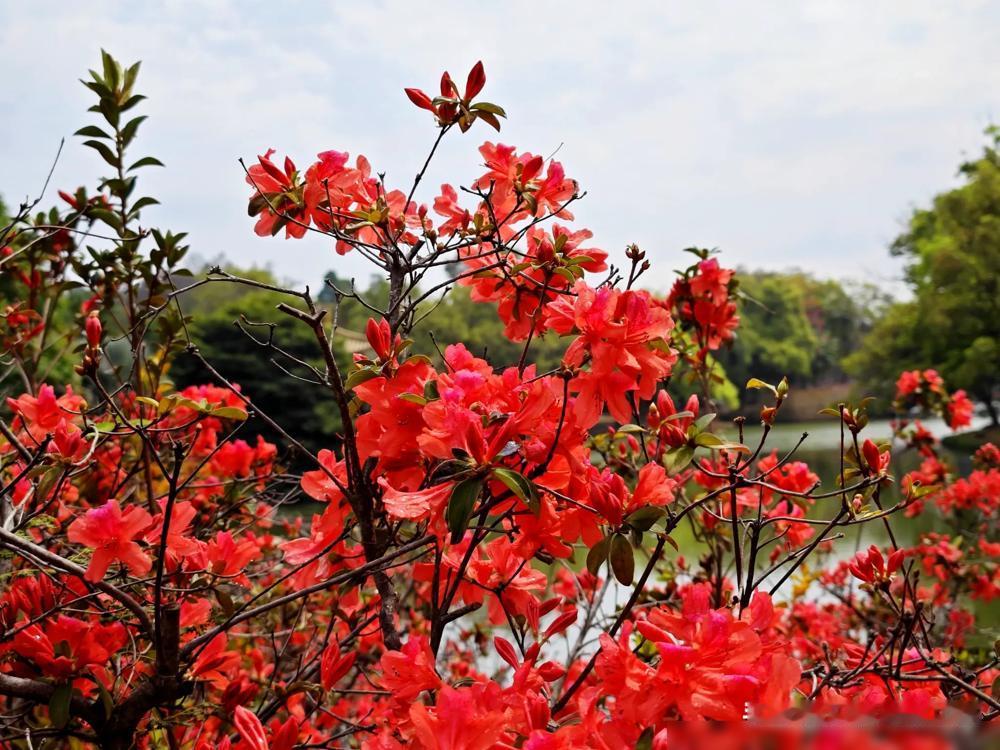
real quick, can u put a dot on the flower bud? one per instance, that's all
(93, 329)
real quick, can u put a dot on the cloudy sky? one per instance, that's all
(788, 134)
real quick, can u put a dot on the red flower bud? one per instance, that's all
(379, 337)
(873, 456)
(93, 330)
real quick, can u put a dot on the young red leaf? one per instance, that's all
(476, 81)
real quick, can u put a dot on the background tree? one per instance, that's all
(794, 325)
(952, 254)
(226, 328)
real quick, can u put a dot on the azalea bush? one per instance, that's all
(500, 557)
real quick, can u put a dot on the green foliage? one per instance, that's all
(459, 319)
(456, 319)
(794, 325)
(952, 254)
(216, 309)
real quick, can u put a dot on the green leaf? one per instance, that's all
(358, 377)
(679, 415)
(644, 518)
(431, 390)
(110, 218)
(225, 601)
(131, 102)
(630, 429)
(493, 109)
(598, 555)
(130, 75)
(460, 504)
(229, 412)
(704, 421)
(110, 111)
(128, 132)
(708, 440)
(413, 398)
(92, 131)
(566, 274)
(622, 558)
(782, 389)
(146, 161)
(105, 151)
(645, 741)
(757, 383)
(141, 204)
(677, 460)
(520, 486)
(107, 702)
(112, 71)
(59, 705)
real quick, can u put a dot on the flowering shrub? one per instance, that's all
(496, 560)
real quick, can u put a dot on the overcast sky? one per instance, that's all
(788, 134)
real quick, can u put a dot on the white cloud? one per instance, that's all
(785, 133)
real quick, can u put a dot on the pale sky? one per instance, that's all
(788, 134)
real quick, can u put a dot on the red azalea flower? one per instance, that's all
(110, 533)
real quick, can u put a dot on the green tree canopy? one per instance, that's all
(216, 310)
(794, 325)
(952, 254)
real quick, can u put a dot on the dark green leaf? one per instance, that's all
(106, 153)
(644, 518)
(59, 705)
(92, 131)
(128, 132)
(598, 555)
(146, 161)
(520, 486)
(460, 505)
(678, 459)
(107, 702)
(110, 218)
(141, 204)
(622, 559)
(131, 102)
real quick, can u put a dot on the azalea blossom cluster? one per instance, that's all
(499, 555)
(925, 390)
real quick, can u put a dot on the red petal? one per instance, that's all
(419, 98)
